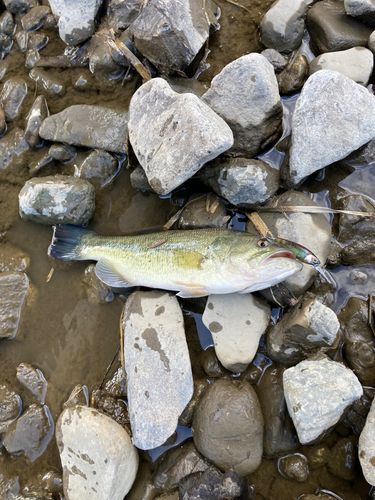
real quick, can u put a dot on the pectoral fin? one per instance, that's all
(190, 290)
(105, 271)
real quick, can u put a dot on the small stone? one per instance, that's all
(99, 167)
(19, 6)
(31, 433)
(274, 57)
(38, 112)
(355, 416)
(343, 459)
(75, 24)
(57, 200)
(50, 84)
(10, 407)
(302, 331)
(292, 78)
(331, 29)
(310, 230)
(97, 291)
(62, 152)
(246, 95)
(78, 396)
(33, 379)
(34, 18)
(212, 484)
(210, 364)
(329, 98)
(279, 433)
(171, 38)
(12, 150)
(117, 385)
(12, 96)
(13, 292)
(318, 455)
(9, 487)
(366, 447)
(363, 10)
(294, 467)
(138, 179)
(101, 60)
(203, 211)
(359, 341)
(317, 392)
(283, 24)
(88, 125)
(236, 439)
(186, 418)
(97, 455)
(112, 406)
(177, 464)
(356, 63)
(6, 23)
(157, 365)
(243, 182)
(36, 42)
(173, 135)
(236, 323)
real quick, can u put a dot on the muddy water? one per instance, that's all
(71, 340)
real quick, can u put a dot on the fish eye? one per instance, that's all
(263, 243)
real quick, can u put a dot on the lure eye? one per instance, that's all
(262, 243)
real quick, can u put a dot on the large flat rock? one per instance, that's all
(88, 125)
(157, 364)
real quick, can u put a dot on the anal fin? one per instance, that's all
(105, 271)
(190, 290)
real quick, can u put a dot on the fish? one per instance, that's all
(193, 263)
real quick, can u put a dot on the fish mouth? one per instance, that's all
(282, 253)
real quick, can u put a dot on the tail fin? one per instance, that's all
(66, 241)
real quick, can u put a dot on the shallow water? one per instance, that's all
(73, 341)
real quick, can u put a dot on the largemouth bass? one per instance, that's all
(194, 263)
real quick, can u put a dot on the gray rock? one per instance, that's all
(359, 341)
(10, 407)
(97, 292)
(317, 392)
(33, 379)
(13, 259)
(19, 6)
(34, 18)
(274, 57)
(62, 152)
(97, 455)
(13, 292)
(283, 24)
(157, 365)
(12, 96)
(371, 42)
(101, 62)
(292, 78)
(171, 37)
(242, 181)
(236, 323)
(49, 83)
(78, 396)
(211, 365)
(138, 179)
(31, 433)
(57, 199)
(328, 99)
(38, 112)
(7, 23)
(245, 93)
(173, 135)
(76, 23)
(366, 447)
(88, 125)
(213, 484)
(356, 63)
(302, 331)
(279, 433)
(310, 230)
(236, 440)
(99, 167)
(121, 14)
(294, 467)
(186, 418)
(355, 417)
(177, 464)
(331, 29)
(12, 149)
(36, 42)
(363, 10)
(203, 211)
